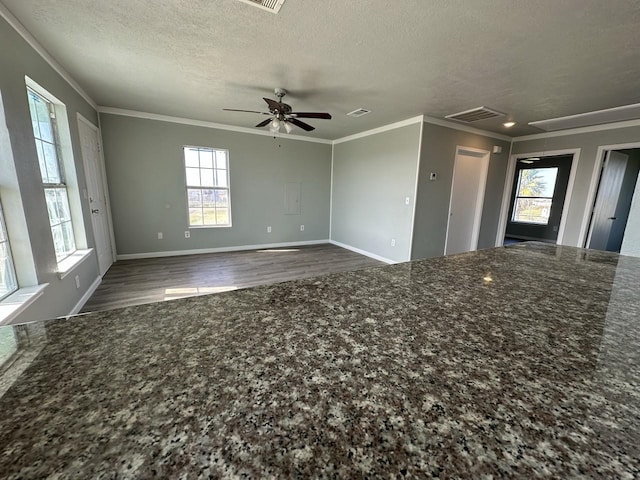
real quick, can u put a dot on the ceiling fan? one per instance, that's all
(282, 115)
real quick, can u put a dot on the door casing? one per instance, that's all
(484, 157)
(508, 188)
(593, 187)
(105, 192)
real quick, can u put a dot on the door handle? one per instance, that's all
(612, 218)
(95, 211)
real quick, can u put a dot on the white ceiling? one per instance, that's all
(533, 59)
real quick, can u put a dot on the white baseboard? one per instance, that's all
(177, 253)
(86, 296)
(363, 252)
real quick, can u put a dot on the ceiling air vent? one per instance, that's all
(359, 112)
(272, 6)
(475, 114)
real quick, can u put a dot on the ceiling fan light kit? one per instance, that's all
(282, 115)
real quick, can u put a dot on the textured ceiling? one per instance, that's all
(190, 58)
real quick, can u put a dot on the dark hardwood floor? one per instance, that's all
(134, 282)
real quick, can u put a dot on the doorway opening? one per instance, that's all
(467, 199)
(615, 189)
(536, 196)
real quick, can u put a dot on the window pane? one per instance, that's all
(58, 240)
(194, 197)
(537, 182)
(60, 220)
(41, 162)
(532, 210)
(193, 177)
(8, 283)
(208, 198)
(191, 157)
(40, 118)
(206, 159)
(42, 111)
(209, 216)
(53, 209)
(222, 198)
(51, 160)
(46, 128)
(221, 178)
(221, 159)
(195, 216)
(7, 275)
(34, 115)
(222, 216)
(63, 204)
(207, 177)
(69, 241)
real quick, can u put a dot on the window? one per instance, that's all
(8, 283)
(55, 189)
(534, 195)
(207, 174)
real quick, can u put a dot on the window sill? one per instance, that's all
(18, 301)
(66, 266)
(195, 227)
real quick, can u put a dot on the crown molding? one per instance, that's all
(385, 128)
(465, 128)
(205, 124)
(579, 130)
(40, 50)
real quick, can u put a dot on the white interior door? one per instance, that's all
(467, 197)
(615, 164)
(96, 190)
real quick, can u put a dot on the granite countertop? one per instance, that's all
(511, 362)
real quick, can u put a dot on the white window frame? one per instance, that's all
(215, 186)
(8, 267)
(59, 186)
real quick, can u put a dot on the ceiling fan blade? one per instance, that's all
(326, 116)
(246, 111)
(264, 123)
(305, 126)
(273, 105)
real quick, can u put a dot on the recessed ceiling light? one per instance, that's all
(509, 124)
(359, 112)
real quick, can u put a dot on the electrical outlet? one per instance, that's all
(160, 236)
(269, 229)
(302, 228)
(77, 281)
(187, 234)
(393, 242)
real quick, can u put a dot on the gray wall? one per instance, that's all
(21, 189)
(588, 143)
(432, 206)
(371, 177)
(145, 173)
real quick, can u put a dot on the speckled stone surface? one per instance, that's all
(511, 362)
